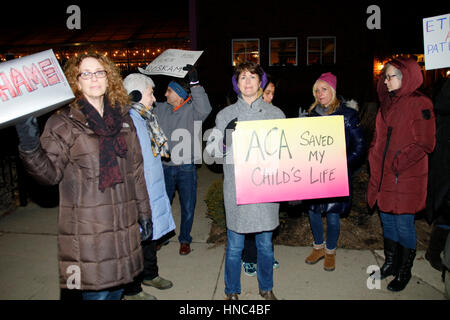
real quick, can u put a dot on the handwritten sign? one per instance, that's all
(32, 85)
(436, 40)
(171, 63)
(290, 159)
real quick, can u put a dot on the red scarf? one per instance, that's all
(111, 144)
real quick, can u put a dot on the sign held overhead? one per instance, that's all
(171, 63)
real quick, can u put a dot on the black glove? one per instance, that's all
(146, 229)
(192, 74)
(228, 131)
(28, 132)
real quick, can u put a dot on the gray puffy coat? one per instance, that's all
(247, 218)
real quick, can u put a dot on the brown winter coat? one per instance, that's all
(98, 232)
(404, 136)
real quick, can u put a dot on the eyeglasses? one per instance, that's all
(88, 75)
(390, 76)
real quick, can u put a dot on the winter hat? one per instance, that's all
(329, 78)
(179, 90)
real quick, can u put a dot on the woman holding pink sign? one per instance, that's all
(328, 104)
(259, 218)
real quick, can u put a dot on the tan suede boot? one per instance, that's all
(329, 263)
(317, 253)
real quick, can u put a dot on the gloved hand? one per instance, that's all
(302, 113)
(28, 132)
(228, 131)
(146, 227)
(192, 74)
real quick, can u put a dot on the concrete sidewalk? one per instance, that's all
(28, 264)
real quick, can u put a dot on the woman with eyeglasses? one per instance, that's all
(90, 148)
(398, 158)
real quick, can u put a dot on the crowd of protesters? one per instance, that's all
(111, 153)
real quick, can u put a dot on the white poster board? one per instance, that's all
(32, 85)
(171, 63)
(436, 41)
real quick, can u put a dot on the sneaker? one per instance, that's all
(158, 283)
(140, 296)
(249, 268)
(276, 264)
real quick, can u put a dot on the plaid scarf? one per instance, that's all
(111, 144)
(157, 136)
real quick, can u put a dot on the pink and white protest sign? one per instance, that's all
(290, 159)
(32, 85)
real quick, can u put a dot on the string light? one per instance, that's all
(124, 58)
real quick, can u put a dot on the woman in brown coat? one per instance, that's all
(90, 148)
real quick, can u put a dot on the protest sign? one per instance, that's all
(436, 41)
(290, 159)
(171, 63)
(32, 85)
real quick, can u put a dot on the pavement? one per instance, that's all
(28, 264)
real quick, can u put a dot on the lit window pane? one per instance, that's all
(321, 50)
(245, 50)
(283, 52)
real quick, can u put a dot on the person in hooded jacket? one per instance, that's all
(91, 149)
(398, 158)
(328, 104)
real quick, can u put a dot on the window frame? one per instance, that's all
(321, 48)
(245, 39)
(283, 38)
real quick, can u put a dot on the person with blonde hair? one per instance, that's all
(328, 104)
(91, 149)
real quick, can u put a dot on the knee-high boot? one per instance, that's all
(404, 271)
(391, 256)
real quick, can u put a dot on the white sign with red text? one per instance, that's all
(32, 85)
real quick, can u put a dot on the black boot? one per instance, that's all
(404, 271)
(435, 247)
(391, 257)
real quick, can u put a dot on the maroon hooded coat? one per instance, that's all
(404, 135)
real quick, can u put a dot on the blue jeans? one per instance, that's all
(113, 294)
(333, 228)
(399, 228)
(235, 245)
(183, 178)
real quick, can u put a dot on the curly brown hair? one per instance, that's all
(115, 92)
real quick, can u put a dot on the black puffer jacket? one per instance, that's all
(356, 148)
(438, 196)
